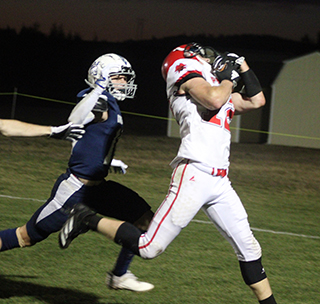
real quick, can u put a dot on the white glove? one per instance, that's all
(118, 166)
(70, 131)
(103, 81)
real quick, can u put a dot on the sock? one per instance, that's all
(270, 300)
(9, 239)
(128, 236)
(92, 221)
(124, 259)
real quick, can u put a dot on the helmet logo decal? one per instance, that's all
(94, 68)
(124, 60)
(180, 67)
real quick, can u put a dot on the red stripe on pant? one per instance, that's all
(169, 209)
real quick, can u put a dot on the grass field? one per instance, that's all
(279, 187)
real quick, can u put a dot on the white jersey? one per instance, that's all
(205, 135)
(205, 144)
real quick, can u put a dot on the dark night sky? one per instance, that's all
(120, 20)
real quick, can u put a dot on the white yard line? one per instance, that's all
(196, 221)
(270, 231)
(22, 198)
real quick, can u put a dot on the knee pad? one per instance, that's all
(128, 237)
(252, 272)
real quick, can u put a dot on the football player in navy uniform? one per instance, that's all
(110, 79)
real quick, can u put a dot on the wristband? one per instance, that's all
(251, 82)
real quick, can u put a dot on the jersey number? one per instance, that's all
(223, 122)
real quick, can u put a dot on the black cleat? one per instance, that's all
(76, 224)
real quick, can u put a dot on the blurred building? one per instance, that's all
(295, 103)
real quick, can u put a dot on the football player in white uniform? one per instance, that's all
(200, 87)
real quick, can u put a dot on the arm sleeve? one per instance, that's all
(81, 113)
(251, 82)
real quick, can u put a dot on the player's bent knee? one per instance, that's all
(128, 236)
(252, 272)
(151, 250)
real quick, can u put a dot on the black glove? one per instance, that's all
(228, 73)
(227, 58)
(72, 132)
(227, 67)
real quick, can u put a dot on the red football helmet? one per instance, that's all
(190, 50)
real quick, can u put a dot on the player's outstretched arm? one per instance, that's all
(12, 127)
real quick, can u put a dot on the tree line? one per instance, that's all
(55, 65)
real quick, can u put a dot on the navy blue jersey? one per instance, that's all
(92, 154)
(90, 159)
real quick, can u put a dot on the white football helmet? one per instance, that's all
(120, 66)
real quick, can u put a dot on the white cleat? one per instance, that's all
(128, 281)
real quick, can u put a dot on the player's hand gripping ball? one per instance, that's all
(227, 67)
